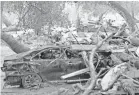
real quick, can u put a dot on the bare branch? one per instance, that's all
(92, 67)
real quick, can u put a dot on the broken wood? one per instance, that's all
(68, 81)
(82, 47)
(123, 50)
(75, 73)
(89, 48)
(130, 78)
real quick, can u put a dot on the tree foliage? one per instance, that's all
(37, 14)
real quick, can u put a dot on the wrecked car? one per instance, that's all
(35, 66)
(25, 68)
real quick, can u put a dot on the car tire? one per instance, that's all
(31, 80)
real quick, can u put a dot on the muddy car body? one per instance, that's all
(25, 68)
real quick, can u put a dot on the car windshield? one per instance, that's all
(50, 53)
(71, 54)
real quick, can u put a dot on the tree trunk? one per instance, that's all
(13, 44)
(77, 15)
(132, 9)
(124, 13)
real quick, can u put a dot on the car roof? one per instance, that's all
(23, 54)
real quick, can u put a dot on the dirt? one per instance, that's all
(55, 89)
(47, 89)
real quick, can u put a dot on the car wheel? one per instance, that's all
(31, 80)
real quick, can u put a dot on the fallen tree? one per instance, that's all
(9, 39)
(14, 44)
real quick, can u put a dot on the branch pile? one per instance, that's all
(110, 64)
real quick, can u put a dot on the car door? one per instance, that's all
(47, 58)
(74, 59)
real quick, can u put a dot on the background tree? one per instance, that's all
(124, 13)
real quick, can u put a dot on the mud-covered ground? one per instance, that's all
(56, 89)
(47, 89)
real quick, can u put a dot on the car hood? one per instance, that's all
(17, 56)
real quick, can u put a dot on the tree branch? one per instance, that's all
(92, 67)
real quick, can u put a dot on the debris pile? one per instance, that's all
(112, 65)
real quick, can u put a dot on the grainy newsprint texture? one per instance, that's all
(69, 47)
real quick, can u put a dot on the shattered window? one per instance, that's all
(71, 54)
(50, 54)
